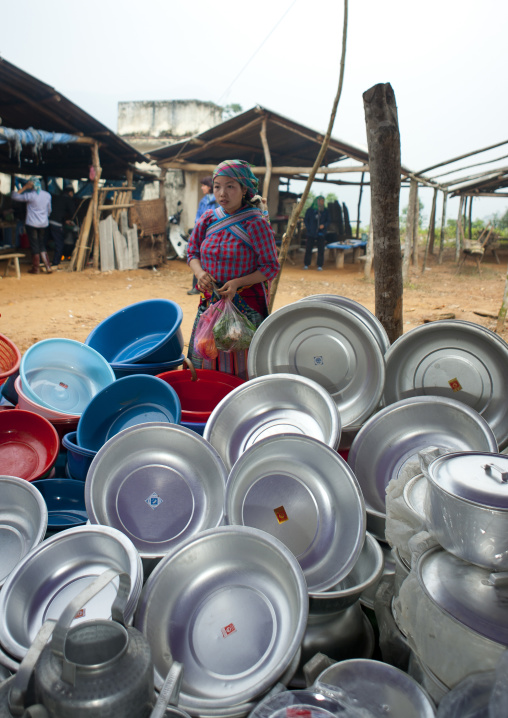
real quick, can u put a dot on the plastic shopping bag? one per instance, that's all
(204, 341)
(232, 330)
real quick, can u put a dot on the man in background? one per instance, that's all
(38, 209)
(316, 222)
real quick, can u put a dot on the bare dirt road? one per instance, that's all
(71, 304)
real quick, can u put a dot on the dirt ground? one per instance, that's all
(71, 304)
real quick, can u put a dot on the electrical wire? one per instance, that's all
(226, 91)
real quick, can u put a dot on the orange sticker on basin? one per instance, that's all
(455, 384)
(294, 712)
(228, 630)
(81, 613)
(281, 514)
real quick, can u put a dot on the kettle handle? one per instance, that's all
(169, 692)
(21, 681)
(77, 603)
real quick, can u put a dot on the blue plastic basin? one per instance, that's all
(144, 332)
(65, 499)
(78, 458)
(132, 400)
(154, 369)
(63, 374)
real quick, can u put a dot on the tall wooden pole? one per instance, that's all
(429, 245)
(416, 226)
(410, 227)
(286, 239)
(501, 317)
(268, 159)
(383, 141)
(459, 230)
(470, 233)
(443, 227)
(359, 206)
(95, 203)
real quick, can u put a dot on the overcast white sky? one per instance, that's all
(445, 59)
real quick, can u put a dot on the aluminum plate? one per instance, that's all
(369, 319)
(328, 344)
(271, 405)
(456, 359)
(158, 483)
(392, 438)
(302, 492)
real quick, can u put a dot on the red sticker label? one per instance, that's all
(293, 712)
(455, 384)
(228, 630)
(65, 386)
(80, 613)
(281, 514)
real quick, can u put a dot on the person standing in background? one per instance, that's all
(316, 222)
(208, 201)
(38, 209)
(61, 215)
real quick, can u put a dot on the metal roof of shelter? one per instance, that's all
(290, 144)
(26, 102)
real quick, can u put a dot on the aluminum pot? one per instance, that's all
(467, 507)
(454, 615)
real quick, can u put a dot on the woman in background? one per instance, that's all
(208, 201)
(233, 247)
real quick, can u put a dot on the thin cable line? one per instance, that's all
(224, 94)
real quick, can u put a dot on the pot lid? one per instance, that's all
(478, 477)
(471, 595)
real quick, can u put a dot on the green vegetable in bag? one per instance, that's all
(232, 331)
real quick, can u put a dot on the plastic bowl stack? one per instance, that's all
(29, 445)
(142, 338)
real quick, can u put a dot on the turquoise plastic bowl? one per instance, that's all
(147, 332)
(63, 374)
(132, 400)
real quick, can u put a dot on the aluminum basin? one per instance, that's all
(393, 437)
(271, 405)
(158, 483)
(229, 604)
(54, 572)
(328, 344)
(23, 521)
(302, 492)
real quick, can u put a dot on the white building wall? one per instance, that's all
(172, 119)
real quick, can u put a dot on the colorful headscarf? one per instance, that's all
(241, 172)
(36, 184)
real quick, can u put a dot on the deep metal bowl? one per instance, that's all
(364, 574)
(54, 572)
(393, 437)
(456, 359)
(302, 492)
(370, 320)
(231, 605)
(23, 521)
(271, 405)
(158, 483)
(328, 344)
(377, 688)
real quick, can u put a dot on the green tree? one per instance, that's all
(231, 110)
(403, 217)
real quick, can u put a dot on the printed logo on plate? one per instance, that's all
(319, 361)
(295, 712)
(228, 630)
(280, 513)
(455, 384)
(154, 501)
(81, 613)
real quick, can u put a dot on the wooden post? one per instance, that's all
(443, 227)
(78, 255)
(429, 245)
(410, 227)
(471, 217)
(162, 181)
(286, 239)
(369, 253)
(459, 230)
(95, 203)
(501, 317)
(416, 226)
(359, 206)
(383, 140)
(268, 160)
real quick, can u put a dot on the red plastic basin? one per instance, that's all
(200, 390)
(29, 445)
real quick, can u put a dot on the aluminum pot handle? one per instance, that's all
(77, 603)
(169, 692)
(491, 469)
(498, 579)
(21, 680)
